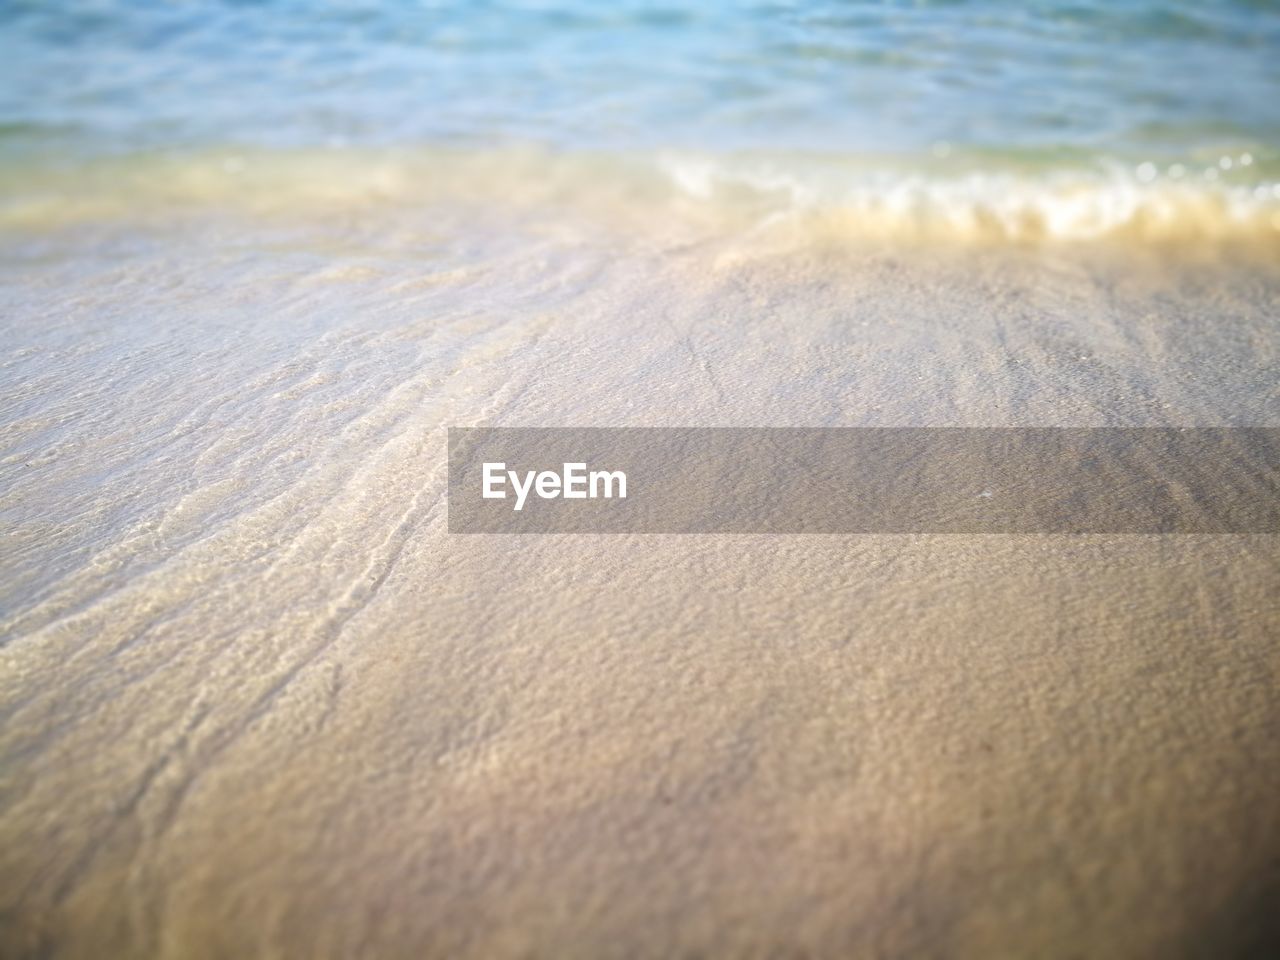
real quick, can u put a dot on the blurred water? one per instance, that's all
(1060, 77)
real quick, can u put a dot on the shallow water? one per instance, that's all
(1108, 78)
(918, 121)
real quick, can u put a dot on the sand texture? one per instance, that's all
(255, 701)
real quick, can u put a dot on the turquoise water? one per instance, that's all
(1061, 78)
(978, 120)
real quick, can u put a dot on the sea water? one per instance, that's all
(1046, 119)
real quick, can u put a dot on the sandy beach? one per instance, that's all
(271, 690)
(257, 701)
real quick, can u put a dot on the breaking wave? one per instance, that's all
(829, 198)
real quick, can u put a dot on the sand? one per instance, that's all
(257, 702)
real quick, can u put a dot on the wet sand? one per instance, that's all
(256, 701)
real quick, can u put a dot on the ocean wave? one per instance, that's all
(976, 205)
(819, 198)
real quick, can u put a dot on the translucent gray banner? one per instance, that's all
(864, 480)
